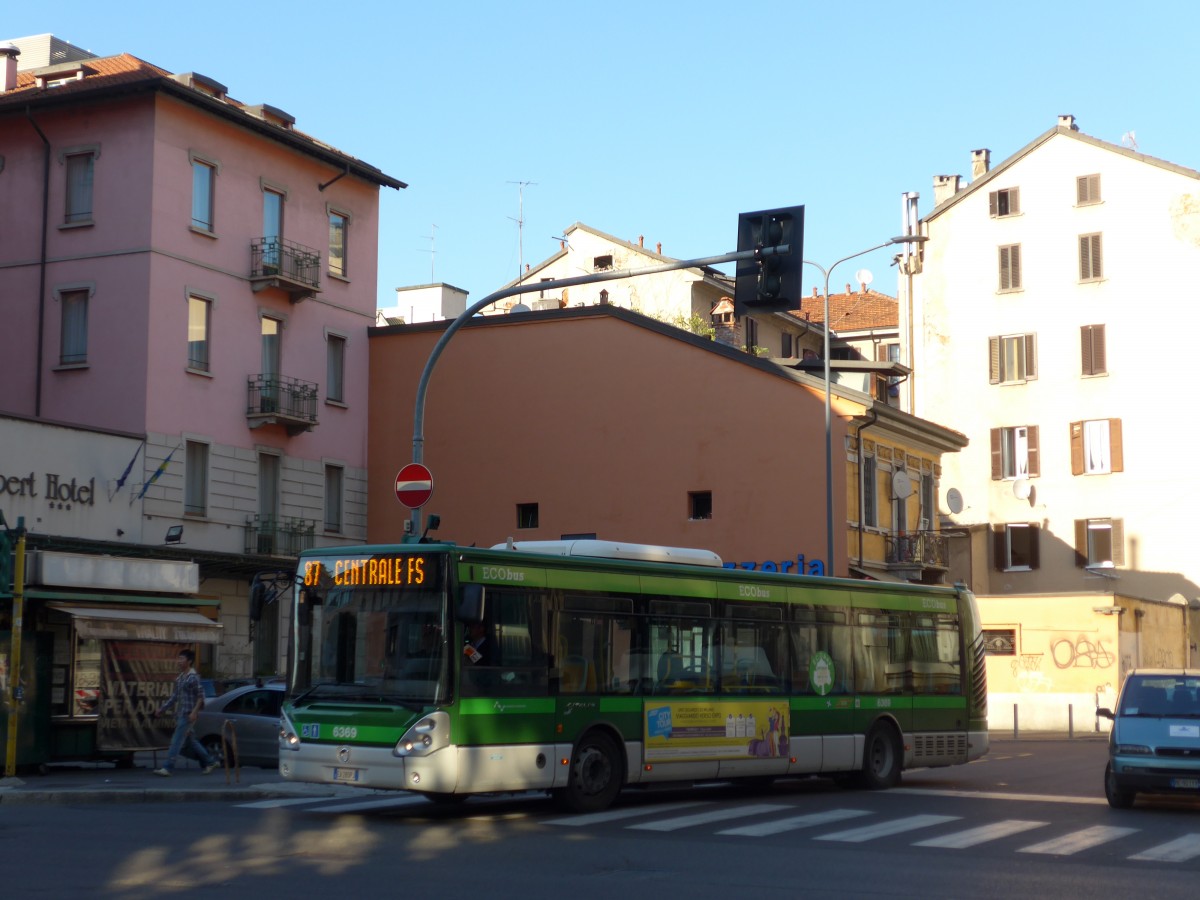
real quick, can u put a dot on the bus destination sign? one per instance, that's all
(416, 570)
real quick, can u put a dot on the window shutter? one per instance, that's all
(1085, 350)
(1031, 444)
(1081, 189)
(1085, 258)
(1099, 356)
(1035, 534)
(1116, 455)
(1015, 260)
(992, 205)
(997, 455)
(999, 548)
(1081, 536)
(1005, 278)
(1014, 201)
(1097, 257)
(1030, 357)
(1076, 448)
(1010, 267)
(994, 360)
(1118, 542)
(1087, 189)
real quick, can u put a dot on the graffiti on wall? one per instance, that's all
(1027, 670)
(1081, 652)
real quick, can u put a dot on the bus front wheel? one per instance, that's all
(881, 758)
(596, 774)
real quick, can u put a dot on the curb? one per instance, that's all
(9, 797)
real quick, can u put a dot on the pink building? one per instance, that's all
(187, 283)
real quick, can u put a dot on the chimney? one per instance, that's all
(1067, 122)
(658, 248)
(944, 187)
(641, 240)
(981, 163)
(847, 289)
(8, 80)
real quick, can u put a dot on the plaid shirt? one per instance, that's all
(187, 693)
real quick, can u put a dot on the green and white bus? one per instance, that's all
(582, 667)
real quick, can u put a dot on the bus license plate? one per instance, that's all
(1185, 784)
(345, 774)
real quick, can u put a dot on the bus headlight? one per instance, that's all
(288, 739)
(429, 733)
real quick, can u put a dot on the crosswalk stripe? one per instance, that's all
(997, 795)
(1078, 841)
(274, 804)
(1179, 850)
(886, 829)
(615, 815)
(716, 815)
(778, 826)
(981, 835)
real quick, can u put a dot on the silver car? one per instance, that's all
(252, 713)
(1154, 745)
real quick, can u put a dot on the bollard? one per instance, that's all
(229, 742)
(1016, 730)
(1070, 721)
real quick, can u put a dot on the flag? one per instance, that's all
(128, 468)
(162, 467)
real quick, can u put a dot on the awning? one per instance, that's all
(142, 625)
(879, 575)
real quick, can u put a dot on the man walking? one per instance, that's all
(187, 698)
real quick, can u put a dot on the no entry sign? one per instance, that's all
(414, 485)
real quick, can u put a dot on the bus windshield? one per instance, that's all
(371, 642)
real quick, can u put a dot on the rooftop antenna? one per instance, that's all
(520, 220)
(1129, 139)
(432, 251)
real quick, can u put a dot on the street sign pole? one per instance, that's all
(16, 692)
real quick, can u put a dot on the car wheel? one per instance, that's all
(881, 758)
(596, 775)
(1117, 797)
(220, 751)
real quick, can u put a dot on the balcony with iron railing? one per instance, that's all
(286, 265)
(281, 400)
(917, 550)
(268, 536)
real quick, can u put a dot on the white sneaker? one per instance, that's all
(165, 772)
(208, 768)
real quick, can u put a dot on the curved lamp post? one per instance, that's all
(902, 239)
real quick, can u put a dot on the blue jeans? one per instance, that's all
(184, 741)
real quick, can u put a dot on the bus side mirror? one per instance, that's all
(470, 608)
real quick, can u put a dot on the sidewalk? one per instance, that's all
(104, 783)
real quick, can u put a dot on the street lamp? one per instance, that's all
(902, 239)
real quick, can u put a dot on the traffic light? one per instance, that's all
(770, 282)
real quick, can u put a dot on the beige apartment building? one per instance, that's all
(1027, 315)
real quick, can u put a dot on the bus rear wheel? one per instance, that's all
(881, 758)
(596, 774)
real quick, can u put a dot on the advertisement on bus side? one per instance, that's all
(719, 729)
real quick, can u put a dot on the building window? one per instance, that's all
(1096, 447)
(1012, 358)
(335, 368)
(928, 504)
(1016, 546)
(204, 178)
(337, 243)
(527, 515)
(1087, 190)
(1000, 641)
(272, 231)
(1015, 452)
(1004, 203)
(195, 483)
(268, 499)
(1010, 267)
(1092, 350)
(80, 172)
(334, 479)
(74, 337)
(751, 335)
(700, 504)
(787, 345)
(199, 329)
(1091, 266)
(1099, 543)
(870, 508)
(602, 263)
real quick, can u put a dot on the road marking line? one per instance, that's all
(272, 804)
(780, 825)
(360, 805)
(614, 815)
(886, 829)
(982, 834)
(1179, 850)
(1078, 841)
(716, 815)
(995, 795)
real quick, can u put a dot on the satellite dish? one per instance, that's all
(1021, 489)
(901, 485)
(519, 308)
(864, 276)
(953, 501)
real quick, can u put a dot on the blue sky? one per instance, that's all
(663, 119)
